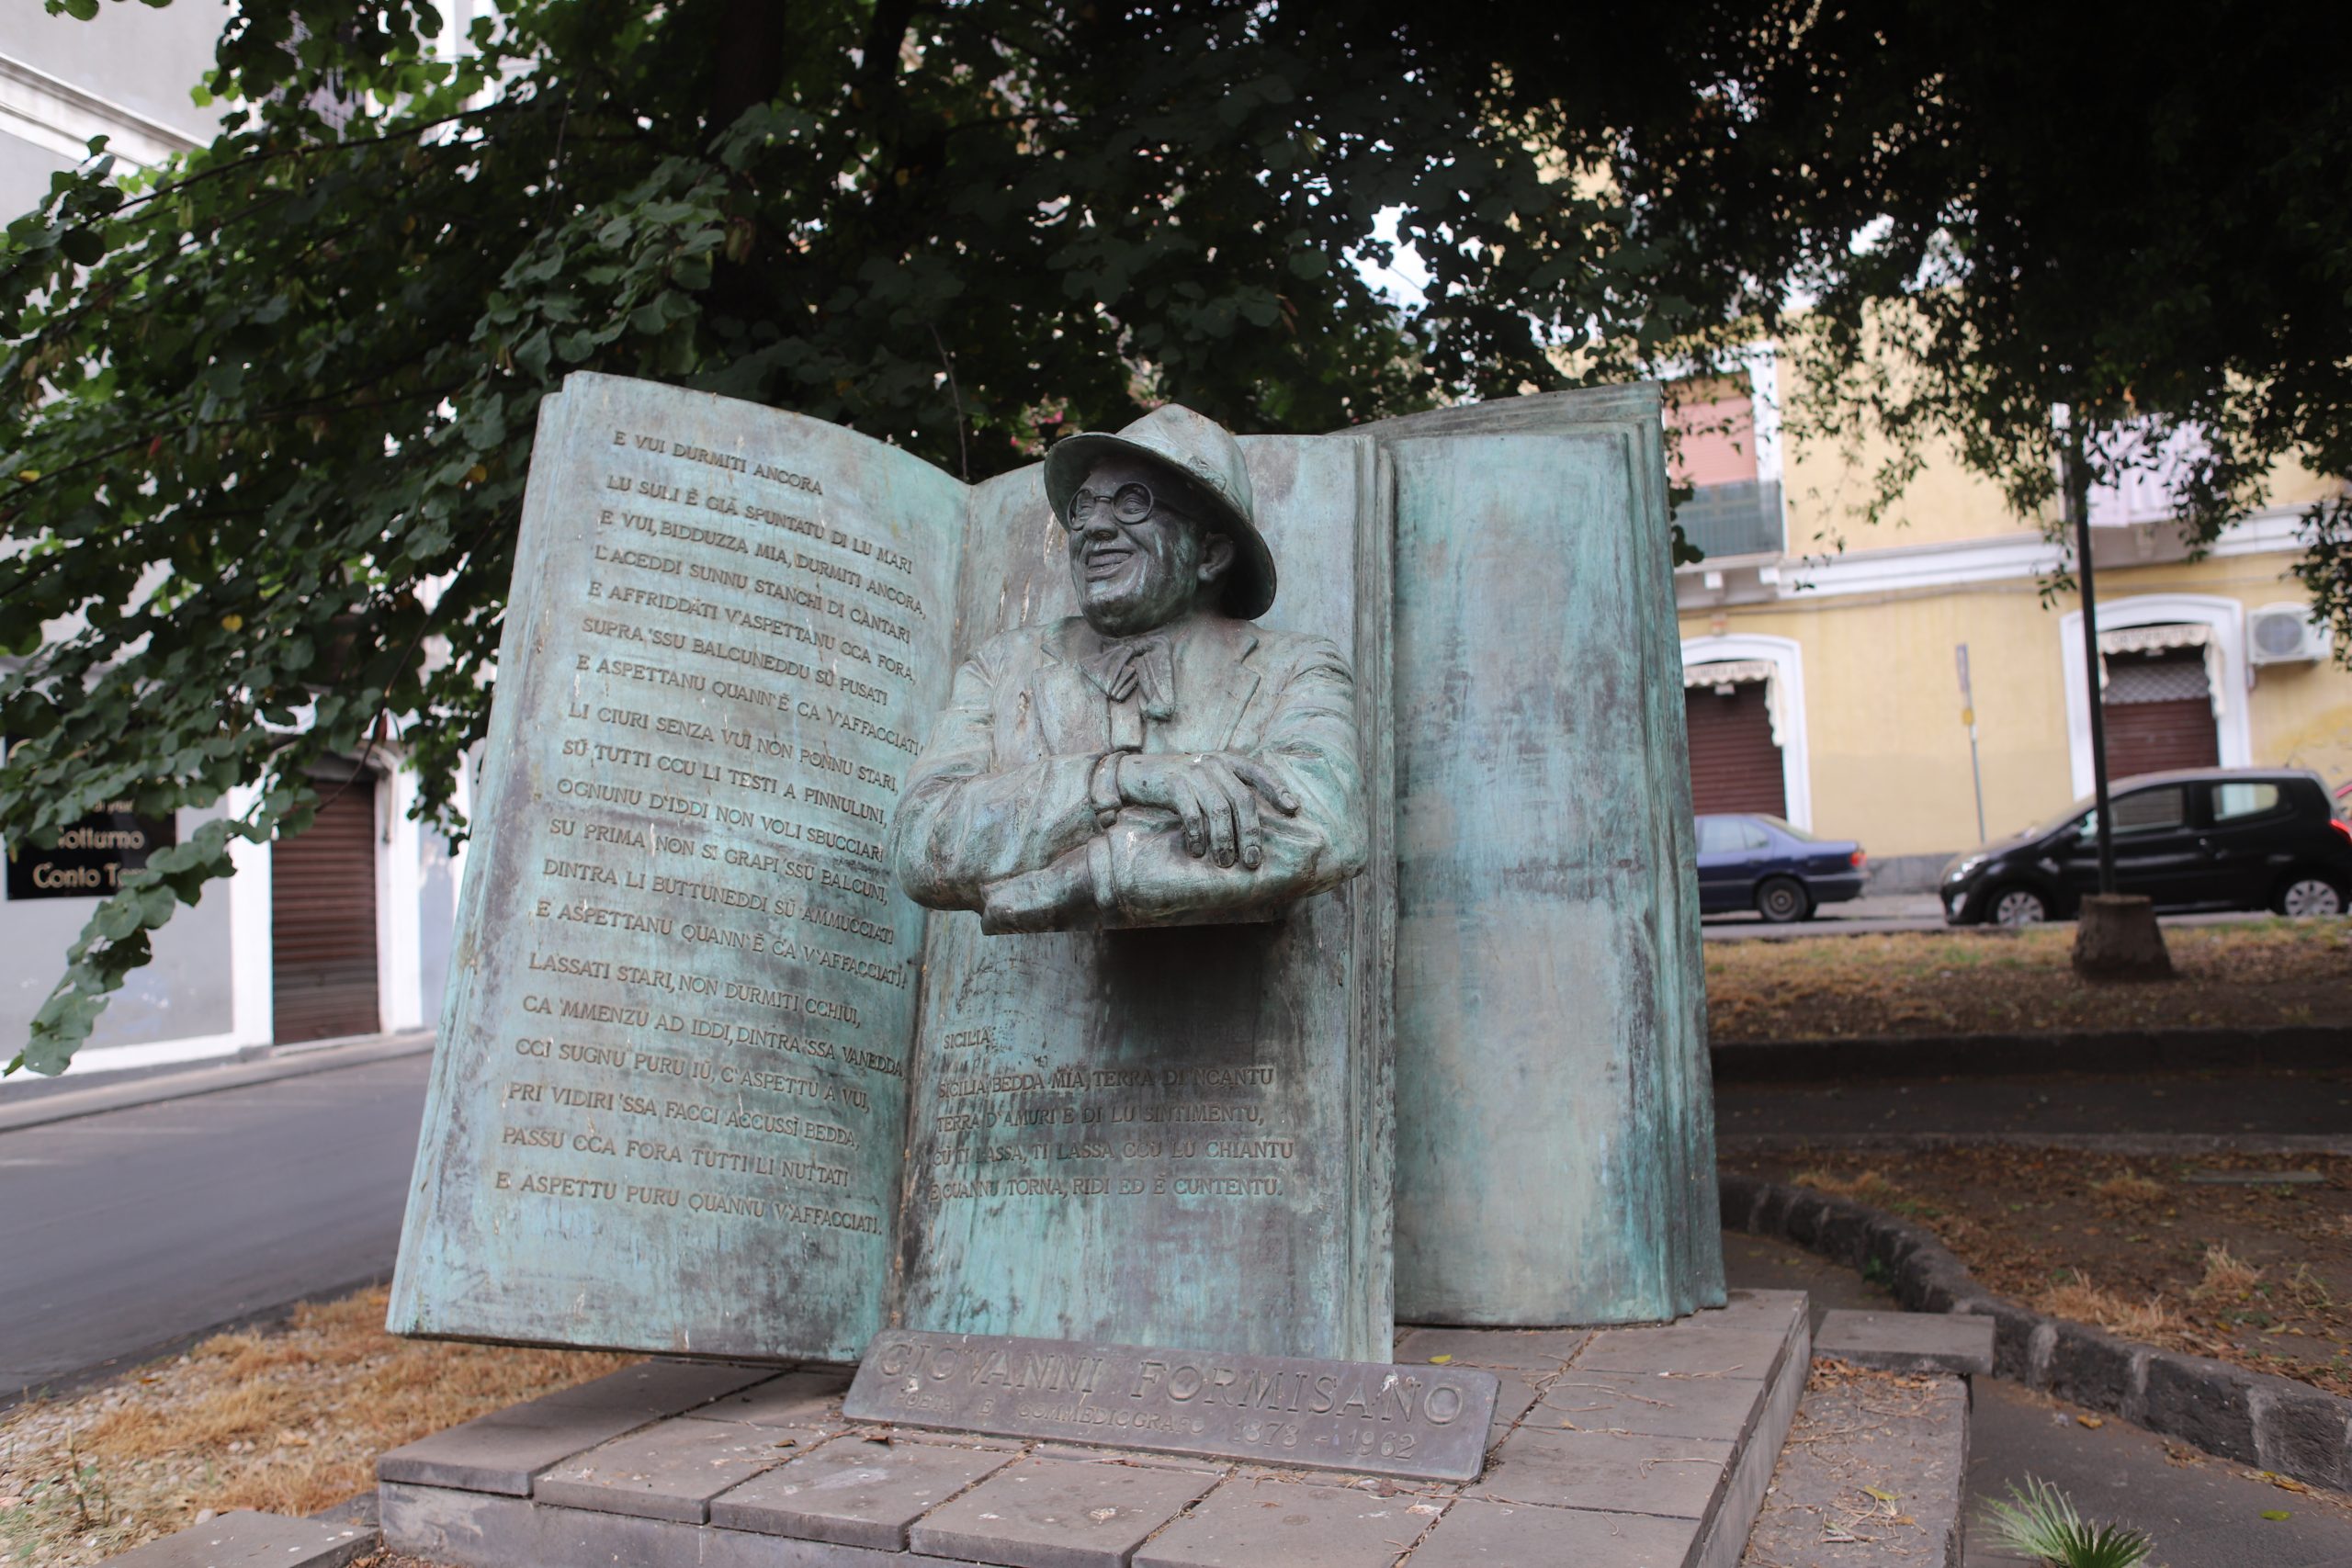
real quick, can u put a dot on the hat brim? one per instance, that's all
(1248, 583)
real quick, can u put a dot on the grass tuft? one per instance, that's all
(2040, 1523)
(1864, 1186)
(2078, 1299)
(2128, 1187)
(2226, 1275)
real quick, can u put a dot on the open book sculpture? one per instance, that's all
(996, 909)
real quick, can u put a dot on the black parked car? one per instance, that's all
(2211, 839)
(1780, 871)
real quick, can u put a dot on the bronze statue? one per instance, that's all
(1157, 760)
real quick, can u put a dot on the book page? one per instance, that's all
(1171, 1136)
(668, 1105)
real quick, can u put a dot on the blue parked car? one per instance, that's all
(1780, 871)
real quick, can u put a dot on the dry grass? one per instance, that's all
(1863, 1187)
(2128, 1187)
(2078, 1299)
(2308, 1289)
(286, 1419)
(2226, 1278)
(2152, 1247)
(2258, 972)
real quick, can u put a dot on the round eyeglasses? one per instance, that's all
(1128, 503)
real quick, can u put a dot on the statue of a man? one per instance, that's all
(1157, 760)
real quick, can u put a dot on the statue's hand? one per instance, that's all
(1215, 796)
(1057, 898)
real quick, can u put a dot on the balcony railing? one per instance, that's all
(1741, 519)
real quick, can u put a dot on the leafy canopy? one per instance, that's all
(269, 412)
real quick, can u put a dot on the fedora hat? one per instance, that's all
(1204, 476)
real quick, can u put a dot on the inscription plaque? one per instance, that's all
(1420, 1423)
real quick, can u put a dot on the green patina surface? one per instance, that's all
(1180, 1135)
(743, 1150)
(1555, 1121)
(667, 1106)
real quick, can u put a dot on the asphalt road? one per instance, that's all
(127, 1234)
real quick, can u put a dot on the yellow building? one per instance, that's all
(1825, 683)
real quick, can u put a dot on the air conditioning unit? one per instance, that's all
(2286, 633)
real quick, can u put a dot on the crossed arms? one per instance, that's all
(1056, 842)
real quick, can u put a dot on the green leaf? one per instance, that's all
(83, 247)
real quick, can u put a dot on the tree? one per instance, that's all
(270, 410)
(1966, 217)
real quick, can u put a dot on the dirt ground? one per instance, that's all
(2245, 1257)
(288, 1419)
(2264, 972)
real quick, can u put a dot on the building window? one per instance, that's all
(1736, 509)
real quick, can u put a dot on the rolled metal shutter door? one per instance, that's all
(1733, 764)
(2159, 714)
(322, 919)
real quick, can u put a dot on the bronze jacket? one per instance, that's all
(1003, 787)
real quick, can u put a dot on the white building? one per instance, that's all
(342, 931)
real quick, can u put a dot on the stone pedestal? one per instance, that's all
(2117, 938)
(1614, 1448)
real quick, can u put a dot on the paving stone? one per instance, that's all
(1757, 1312)
(1595, 1401)
(812, 1400)
(1681, 1352)
(1514, 1397)
(1089, 1454)
(1249, 1523)
(1057, 1513)
(1908, 1341)
(483, 1531)
(1535, 1350)
(1722, 1537)
(244, 1538)
(1900, 1435)
(669, 1471)
(667, 1386)
(1630, 1474)
(1475, 1534)
(506, 1449)
(854, 1492)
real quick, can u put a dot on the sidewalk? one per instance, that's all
(31, 1101)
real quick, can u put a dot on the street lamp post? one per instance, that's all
(2078, 511)
(2114, 938)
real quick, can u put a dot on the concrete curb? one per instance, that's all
(2004, 1056)
(2284, 1427)
(40, 1111)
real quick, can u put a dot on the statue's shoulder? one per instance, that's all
(1018, 648)
(1290, 652)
